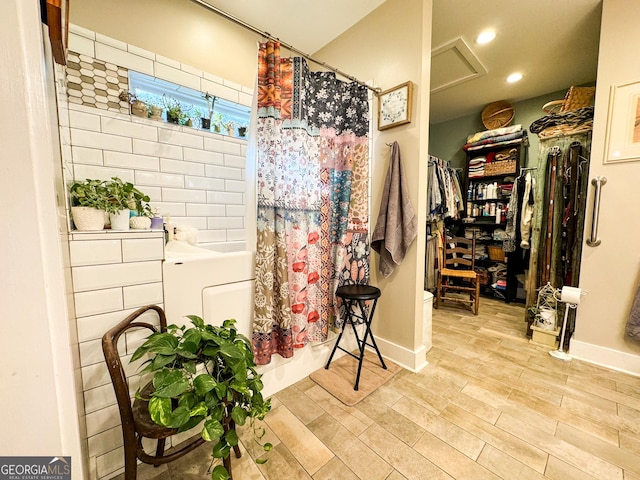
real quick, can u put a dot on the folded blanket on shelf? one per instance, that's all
(500, 144)
(496, 132)
(495, 140)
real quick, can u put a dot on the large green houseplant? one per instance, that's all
(89, 200)
(205, 374)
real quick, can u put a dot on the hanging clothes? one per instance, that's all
(528, 202)
(444, 194)
(312, 219)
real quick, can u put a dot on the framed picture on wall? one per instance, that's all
(623, 124)
(394, 106)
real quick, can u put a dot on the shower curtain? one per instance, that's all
(312, 151)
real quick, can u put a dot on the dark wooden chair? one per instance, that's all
(136, 421)
(456, 273)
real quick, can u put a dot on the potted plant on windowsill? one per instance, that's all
(176, 112)
(218, 120)
(205, 374)
(138, 107)
(88, 204)
(211, 103)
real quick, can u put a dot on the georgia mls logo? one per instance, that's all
(35, 468)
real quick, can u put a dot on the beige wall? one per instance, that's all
(388, 48)
(177, 29)
(611, 271)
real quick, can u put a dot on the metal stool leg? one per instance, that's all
(367, 333)
(335, 347)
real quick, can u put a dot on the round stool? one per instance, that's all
(352, 296)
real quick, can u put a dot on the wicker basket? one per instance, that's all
(497, 115)
(499, 168)
(496, 253)
(578, 97)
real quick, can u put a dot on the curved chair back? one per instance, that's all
(133, 432)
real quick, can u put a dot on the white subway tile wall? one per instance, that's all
(187, 172)
(114, 273)
(193, 176)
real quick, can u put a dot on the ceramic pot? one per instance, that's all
(140, 222)
(120, 220)
(139, 109)
(156, 113)
(157, 223)
(206, 123)
(87, 218)
(242, 131)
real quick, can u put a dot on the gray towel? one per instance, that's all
(633, 324)
(396, 226)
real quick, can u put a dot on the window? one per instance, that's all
(228, 116)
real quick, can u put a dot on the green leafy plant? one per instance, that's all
(205, 374)
(89, 193)
(121, 195)
(176, 112)
(211, 103)
(218, 120)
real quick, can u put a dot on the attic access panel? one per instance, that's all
(452, 64)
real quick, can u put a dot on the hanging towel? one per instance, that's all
(633, 324)
(397, 225)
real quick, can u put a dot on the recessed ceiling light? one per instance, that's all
(486, 37)
(514, 77)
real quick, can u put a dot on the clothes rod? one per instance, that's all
(237, 21)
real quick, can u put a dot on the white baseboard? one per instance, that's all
(414, 360)
(605, 357)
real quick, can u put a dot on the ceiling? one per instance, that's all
(553, 43)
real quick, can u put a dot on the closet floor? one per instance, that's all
(489, 405)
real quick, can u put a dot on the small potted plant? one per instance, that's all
(211, 103)
(141, 213)
(229, 127)
(205, 375)
(138, 107)
(242, 130)
(88, 204)
(157, 222)
(120, 200)
(174, 110)
(155, 110)
(218, 120)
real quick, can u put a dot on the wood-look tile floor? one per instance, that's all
(490, 405)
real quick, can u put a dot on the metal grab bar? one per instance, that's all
(597, 182)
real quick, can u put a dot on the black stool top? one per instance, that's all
(358, 292)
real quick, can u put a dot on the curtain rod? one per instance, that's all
(237, 21)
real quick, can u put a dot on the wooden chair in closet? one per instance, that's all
(456, 274)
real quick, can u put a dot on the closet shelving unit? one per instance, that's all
(475, 207)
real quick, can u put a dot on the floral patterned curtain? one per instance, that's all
(312, 182)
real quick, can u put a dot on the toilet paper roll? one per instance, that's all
(570, 295)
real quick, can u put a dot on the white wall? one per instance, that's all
(611, 271)
(40, 416)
